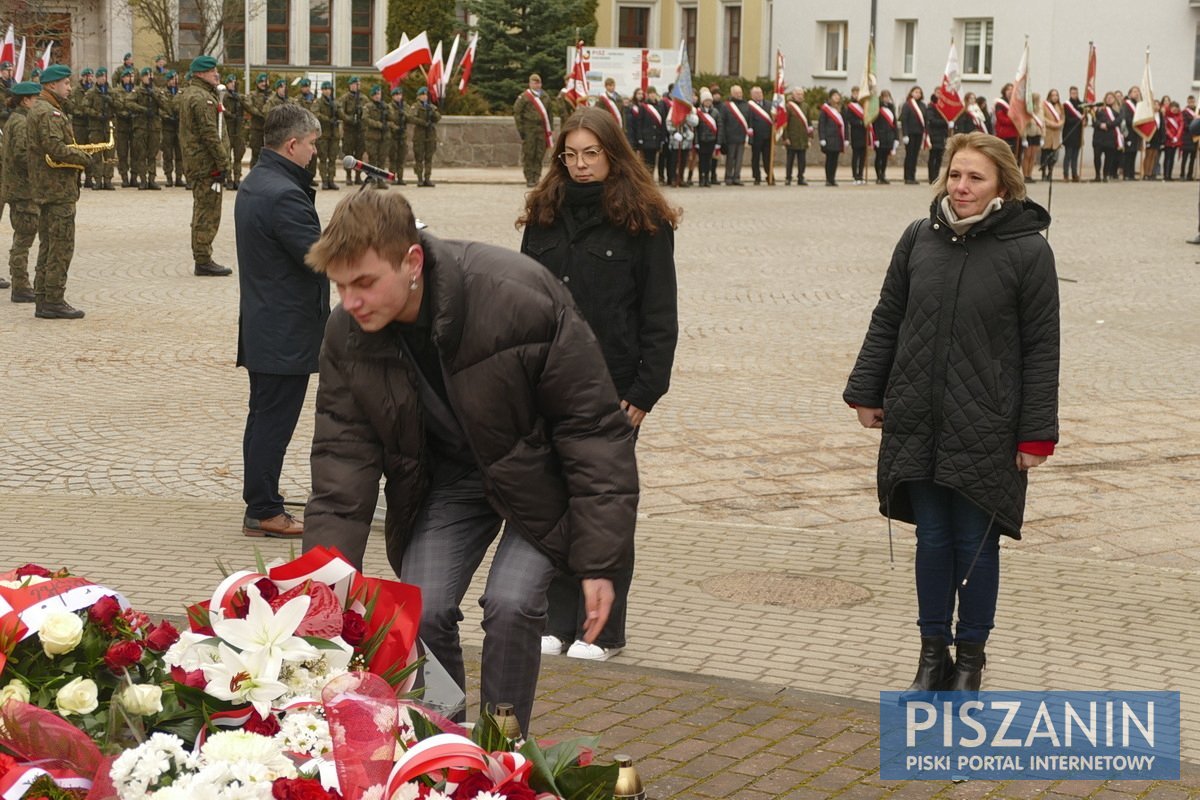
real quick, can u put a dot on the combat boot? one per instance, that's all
(23, 295)
(108, 187)
(4, 284)
(150, 184)
(212, 270)
(89, 183)
(60, 310)
(179, 181)
(358, 179)
(349, 180)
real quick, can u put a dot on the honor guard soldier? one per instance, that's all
(161, 73)
(399, 135)
(18, 191)
(353, 106)
(172, 152)
(148, 131)
(279, 96)
(77, 108)
(103, 111)
(306, 100)
(256, 107)
(326, 110)
(124, 108)
(423, 117)
(6, 84)
(376, 137)
(235, 124)
(205, 159)
(54, 164)
(533, 124)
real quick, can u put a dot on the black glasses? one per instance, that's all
(586, 157)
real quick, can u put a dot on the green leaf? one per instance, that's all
(322, 644)
(487, 734)
(423, 727)
(593, 782)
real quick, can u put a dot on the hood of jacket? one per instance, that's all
(1014, 219)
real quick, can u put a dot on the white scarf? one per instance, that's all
(961, 226)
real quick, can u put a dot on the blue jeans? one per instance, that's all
(950, 530)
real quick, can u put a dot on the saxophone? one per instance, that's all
(86, 149)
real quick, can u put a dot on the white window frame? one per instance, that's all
(652, 20)
(987, 34)
(1196, 61)
(906, 59)
(841, 55)
(723, 32)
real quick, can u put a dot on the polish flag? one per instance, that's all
(405, 58)
(1018, 106)
(1144, 118)
(577, 82)
(949, 103)
(468, 61)
(433, 81)
(448, 66)
(778, 100)
(44, 61)
(9, 50)
(19, 72)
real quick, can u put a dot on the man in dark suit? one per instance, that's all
(284, 306)
(761, 129)
(735, 131)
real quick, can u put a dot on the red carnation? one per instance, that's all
(474, 783)
(301, 789)
(193, 678)
(354, 628)
(161, 636)
(268, 726)
(136, 619)
(267, 588)
(121, 655)
(104, 611)
(34, 570)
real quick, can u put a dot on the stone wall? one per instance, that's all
(478, 142)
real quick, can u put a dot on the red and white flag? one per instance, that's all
(468, 61)
(1144, 118)
(8, 52)
(1018, 105)
(405, 58)
(44, 61)
(577, 82)
(1089, 85)
(949, 102)
(19, 71)
(779, 100)
(448, 65)
(433, 80)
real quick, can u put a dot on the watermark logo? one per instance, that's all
(1031, 735)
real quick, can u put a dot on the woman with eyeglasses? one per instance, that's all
(598, 222)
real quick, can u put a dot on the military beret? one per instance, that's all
(262, 76)
(203, 63)
(35, 74)
(5, 65)
(170, 74)
(126, 73)
(230, 77)
(55, 72)
(127, 55)
(397, 90)
(377, 89)
(85, 71)
(280, 82)
(305, 82)
(422, 90)
(145, 71)
(326, 85)
(25, 89)
(160, 57)
(353, 79)
(101, 71)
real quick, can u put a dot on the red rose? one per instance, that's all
(517, 791)
(300, 789)
(354, 628)
(267, 588)
(474, 783)
(122, 654)
(193, 678)
(104, 611)
(161, 637)
(35, 570)
(7, 762)
(136, 619)
(263, 727)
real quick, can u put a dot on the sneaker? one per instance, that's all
(591, 652)
(552, 646)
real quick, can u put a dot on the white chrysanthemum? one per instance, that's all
(262, 752)
(305, 733)
(489, 796)
(136, 771)
(408, 791)
(434, 794)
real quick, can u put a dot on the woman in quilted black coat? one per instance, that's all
(960, 370)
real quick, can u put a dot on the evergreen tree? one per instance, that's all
(413, 16)
(517, 37)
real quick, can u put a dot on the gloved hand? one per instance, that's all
(905, 140)
(822, 143)
(677, 136)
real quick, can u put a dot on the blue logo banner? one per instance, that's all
(1029, 735)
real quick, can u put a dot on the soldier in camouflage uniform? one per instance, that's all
(205, 159)
(161, 73)
(77, 108)
(102, 111)
(532, 118)
(326, 110)
(306, 100)
(235, 124)
(256, 102)
(279, 97)
(423, 117)
(148, 110)
(18, 193)
(376, 138)
(399, 147)
(352, 107)
(172, 154)
(55, 190)
(123, 126)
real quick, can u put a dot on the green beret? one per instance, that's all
(35, 74)
(230, 77)
(397, 91)
(262, 76)
(85, 71)
(25, 89)
(422, 90)
(101, 71)
(305, 82)
(280, 82)
(160, 57)
(353, 79)
(145, 71)
(6, 65)
(127, 55)
(326, 85)
(377, 89)
(170, 74)
(126, 73)
(203, 64)
(55, 72)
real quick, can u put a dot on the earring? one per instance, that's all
(413, 286)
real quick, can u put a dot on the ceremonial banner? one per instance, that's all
(949, 102)
(868, 87)
(1089, 85)
(1018, 106)
(1144, 118)
(405, 58)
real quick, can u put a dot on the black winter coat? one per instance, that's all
(284, 304)
(885, 132)
(856, 126)
(527, 383)
(625, 288)
(829, 133)
(962, 356)
(938, 127)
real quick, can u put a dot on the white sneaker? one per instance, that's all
(552, 646)
(592, 652)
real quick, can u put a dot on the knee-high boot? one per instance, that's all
(968, 667)
(936, 667)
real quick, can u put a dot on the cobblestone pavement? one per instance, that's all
(121, 456)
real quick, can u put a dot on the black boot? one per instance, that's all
(936, 667)
(968, 667)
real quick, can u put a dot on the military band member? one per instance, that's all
(256, 104)
(205, 159)
(103, 110)
(352, 107)
(235, 124)
(399, 137)
(54, 177)
(326, 110)
(18, 191)
(423, 117)
(149, 109)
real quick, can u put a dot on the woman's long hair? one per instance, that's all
(630, 201)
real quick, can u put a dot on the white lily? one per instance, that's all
(249, 677)
(272, 632)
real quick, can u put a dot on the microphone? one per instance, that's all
(350, 162)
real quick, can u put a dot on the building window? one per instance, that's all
(633, 26)
(836, 46)
(1196, 64)
(318, 32)
(688, 17)
(733, 40)
(907, 49)
(191, 30)
(235, 32)
(977, 48)
(362, 18)
(277, 31)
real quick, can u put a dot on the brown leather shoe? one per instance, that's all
(280, 526)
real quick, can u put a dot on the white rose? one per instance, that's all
(60, 632)
(15, 690)
(80, 696)
(141, 699)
